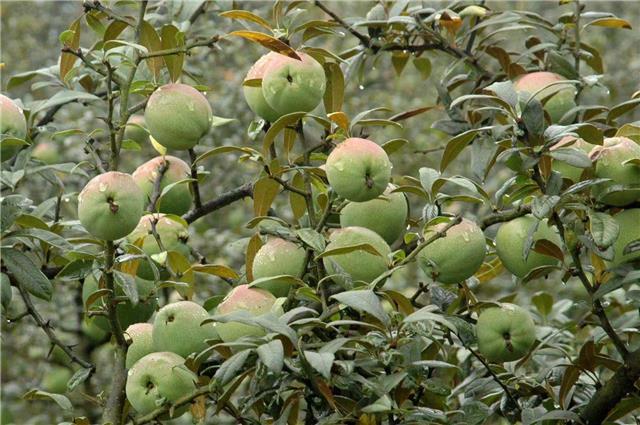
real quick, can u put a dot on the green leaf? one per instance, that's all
(347, 249)
(543, 302)
(272, 355)
(363, 300)
(128, 285)
(383, 404)
(78, 378)
(277, 127)
(426, 314)
(456, 145)
(27, 273)
(572, 156)
(394, 145)
(230, 368)
(46, 236)
(171, 38)
(423, 65)
(216, 270)
(62, 97)
(61, 400)
(603, 228)
(265, 191)
(334, 93)
(312, 239)
(321, 362)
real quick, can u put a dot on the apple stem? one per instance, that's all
(507, 339)
(369, 181)
(112, 205)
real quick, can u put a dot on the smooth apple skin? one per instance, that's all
(358, 265)
(141, 335)
(358, 170)
(253, 94)
(110, 205)
(456, 256)
(629, 230)
(158, 377)
(291, 85)
(505, 333)
(610, 164)
(386, 215)
(256, 301)
(562, 101)
(279, 257)
(510, 241)
(12, 123)
(178, 116)
(178, 328)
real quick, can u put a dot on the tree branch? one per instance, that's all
(621, 384)
(227, 198)
(153, 416)
(197, 200)
(502, 216)
(157, 186)
(46, 327)
(365, 40)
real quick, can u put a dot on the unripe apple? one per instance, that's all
(141, 342)
(386, 215)
(12, 124)
(358, 169)
(178, 328)
(610, 164)
(178, 116)
(5, 291)
(46, 152)
(505, 333)
(95, 333)
(510, 241)
(253, 93)
(159, 378)
(173, 236)
(178, 199)
(135, 130)
(291, 85)
(569, 171)
(359, 265)
(55, 380)
(279, 257)
(456, 256)
(559, 104)
(127, 313)
(629, 225)
(110, 205)
(243, 298)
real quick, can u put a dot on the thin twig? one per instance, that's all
(365, 40)
(157, 186)
(46, 327)
(195, 187)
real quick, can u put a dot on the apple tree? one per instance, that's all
(274, 212)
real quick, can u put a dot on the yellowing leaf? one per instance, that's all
(67, 60)
(610, 23)
(267, 41)
(264, 192)
(252, 248)
(341, 119)
(247, 16)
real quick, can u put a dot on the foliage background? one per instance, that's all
(29, 40)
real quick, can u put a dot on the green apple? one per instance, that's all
(13, 125)
(141, 337)
(629, 225)
(178, 116)
(510, 241)
(505, 333)
(563, 95)
(358, 169)
(159, 378)
(279, 257)
(243, 298)
(55, 379)
(610, 163)
(178, 328)
(110, 205)
(178, 200)
(569, 171)
(5, 291)
(172, 233)
(136, 130)
(91, 330)
(127, 312)
(291, 85)
(253, 92)
(359, 265)
(456, 256)
(46, 152)
(386, 215)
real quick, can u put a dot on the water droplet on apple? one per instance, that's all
(102, 187)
